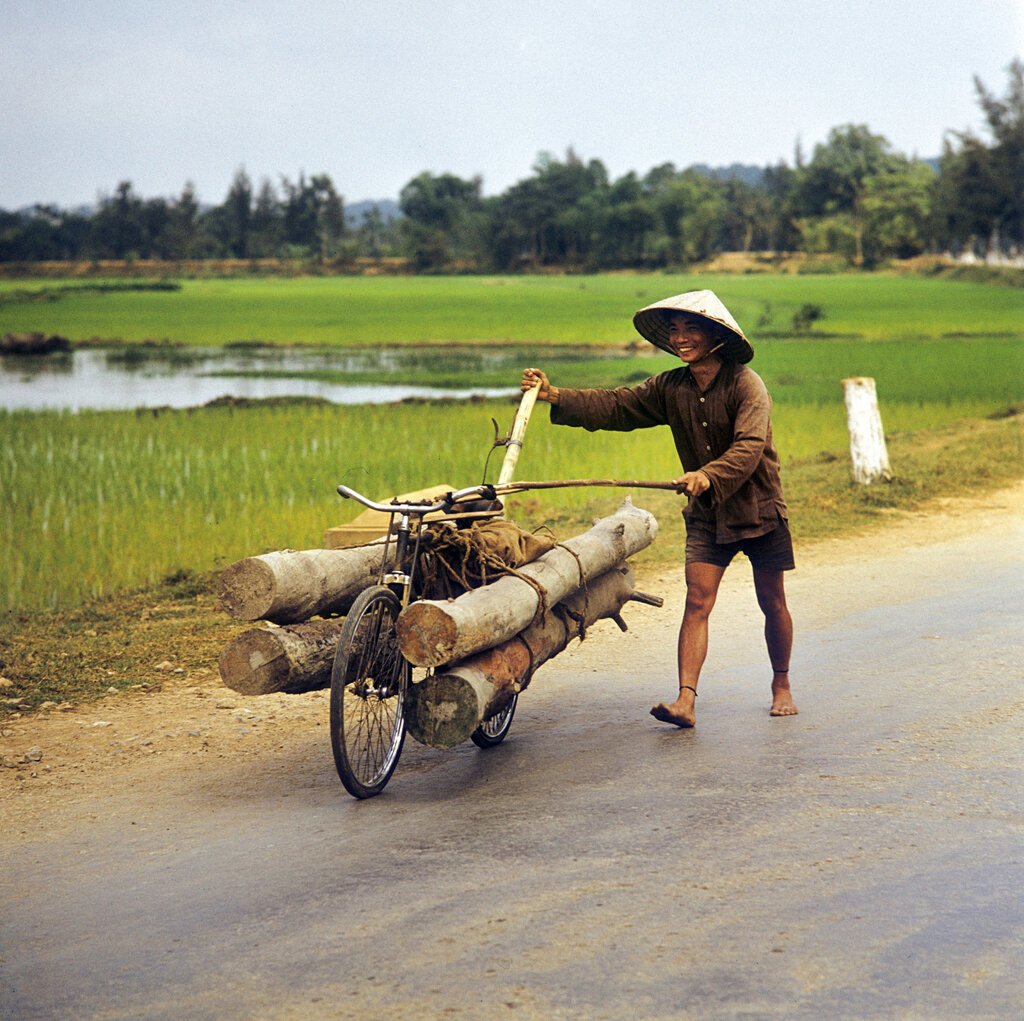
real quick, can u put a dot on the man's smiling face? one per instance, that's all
(690, 337)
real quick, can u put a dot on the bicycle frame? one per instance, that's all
(398, 580)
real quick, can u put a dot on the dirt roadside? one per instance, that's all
(63, 767)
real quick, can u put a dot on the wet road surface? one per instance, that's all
(864, 859)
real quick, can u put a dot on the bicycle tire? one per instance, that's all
(369, 682)
(493, 731)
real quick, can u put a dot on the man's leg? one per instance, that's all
(702, 582)
(778, 636)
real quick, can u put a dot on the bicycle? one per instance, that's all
(370, 678)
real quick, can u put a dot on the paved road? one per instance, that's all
(863, 860)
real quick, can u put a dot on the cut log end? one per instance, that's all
(427, 634)
(246, 589)
(451, 712)
(254, 664)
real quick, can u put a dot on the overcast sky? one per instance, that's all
(373, 92)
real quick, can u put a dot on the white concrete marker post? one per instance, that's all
(867, 438)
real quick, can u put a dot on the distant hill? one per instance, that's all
(356, 212)
(754, 175)
(28, 212)
(745, 172)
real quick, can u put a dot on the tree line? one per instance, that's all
(854, 199)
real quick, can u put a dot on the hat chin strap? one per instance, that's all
(708, 355)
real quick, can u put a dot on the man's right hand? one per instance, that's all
(693, 483)
(547, 392)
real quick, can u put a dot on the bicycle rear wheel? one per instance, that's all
(494, 730)
(368, 687)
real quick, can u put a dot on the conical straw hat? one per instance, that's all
(652, 322)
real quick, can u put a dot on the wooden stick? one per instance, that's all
(517, 487)
(515, 439)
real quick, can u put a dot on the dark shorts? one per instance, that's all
(770, 552)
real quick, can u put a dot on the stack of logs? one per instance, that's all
(481, 648)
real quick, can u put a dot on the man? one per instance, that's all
(719, 412)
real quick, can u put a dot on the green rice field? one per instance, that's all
(539, 309)
(100, 501)
(97, 502)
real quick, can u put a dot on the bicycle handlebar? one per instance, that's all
(492, 492)
(445, 503)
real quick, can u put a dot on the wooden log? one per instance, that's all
(293, 585)
(445, 708)
(292, 659)
(867, 437)
(433, 632)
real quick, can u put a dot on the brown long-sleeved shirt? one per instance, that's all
(725, 431)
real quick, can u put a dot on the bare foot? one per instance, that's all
(681, 712)
(782, 702)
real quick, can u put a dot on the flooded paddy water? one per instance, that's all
(140, 377)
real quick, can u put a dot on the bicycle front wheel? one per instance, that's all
(368, 688)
